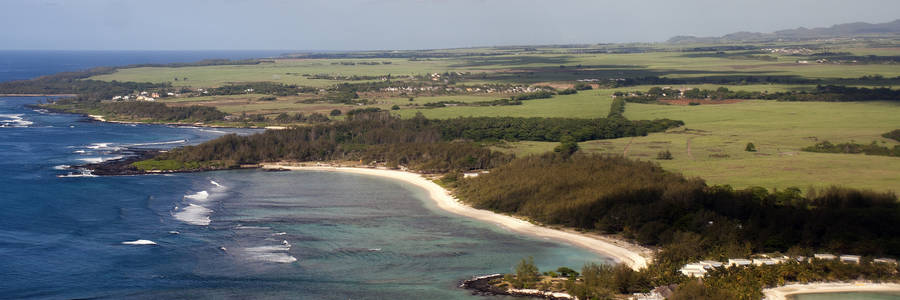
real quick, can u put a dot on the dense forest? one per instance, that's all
(140, 110)
(366, 137)
(688, 218)
(547, 129)
(417, 143)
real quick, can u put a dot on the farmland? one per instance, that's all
(711, 144)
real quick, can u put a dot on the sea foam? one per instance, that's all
(140, 242)
(275, 253)
(198, 196)
(157, 143)
(193, 214)
(13, 120)
(96, 160)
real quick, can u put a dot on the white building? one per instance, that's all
(693, 270)
(850, 259)
(739, 262)
(825, 256)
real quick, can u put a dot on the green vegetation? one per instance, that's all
(418, 143)
(740, 283)
(691, 220)
(820, 93)
(140, 111)
(854, 148)
(894, 135)
(585, 160)
(750, 147)
(166, 165)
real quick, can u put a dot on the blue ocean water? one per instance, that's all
(231, 234)
(20, 64)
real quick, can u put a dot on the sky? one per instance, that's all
(401, 24)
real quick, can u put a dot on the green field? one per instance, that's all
(711, 145)
(718, 134)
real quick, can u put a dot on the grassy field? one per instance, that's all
(523, 68)
(712, 143)
(710, 146)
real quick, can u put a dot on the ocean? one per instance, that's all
(244, 234)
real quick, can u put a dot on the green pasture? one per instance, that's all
(718, 135)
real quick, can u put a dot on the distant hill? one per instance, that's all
(837, 31)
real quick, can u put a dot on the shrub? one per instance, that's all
(664, 155)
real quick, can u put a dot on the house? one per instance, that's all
(885, 261)
(710, 264)
(739, 262)
(850, 259)
(693, 270)
(764, 261)
(825, 256)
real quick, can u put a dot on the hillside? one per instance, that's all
(856, 29)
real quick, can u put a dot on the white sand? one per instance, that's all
(631, 255)
(781, 293)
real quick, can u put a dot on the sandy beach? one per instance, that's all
(629, 254)
(782, 292)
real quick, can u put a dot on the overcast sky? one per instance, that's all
(401, 24)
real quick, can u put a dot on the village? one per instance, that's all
(701, 268)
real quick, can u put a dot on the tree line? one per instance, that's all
(853, 148)
(833, 93)
(689, 219)
(418, 143)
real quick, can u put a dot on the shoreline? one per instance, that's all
(788, 291)
(632, 255)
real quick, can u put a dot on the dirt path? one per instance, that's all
(625, 153)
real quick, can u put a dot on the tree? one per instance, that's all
(526, 273)
(567, 146)
(395, 107)
(664, 155)
(750, 147)
(335, 112)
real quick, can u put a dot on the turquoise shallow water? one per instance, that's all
(230, 234)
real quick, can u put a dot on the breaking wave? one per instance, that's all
(198, 196)
(193, 214)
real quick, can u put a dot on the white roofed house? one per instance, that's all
(710, 264)
(739, 262)
(825, 256)
(885, 261)
(693, 270)
(850, 259)
(764, 261)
